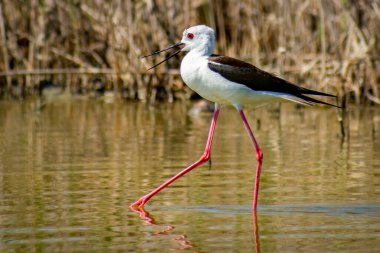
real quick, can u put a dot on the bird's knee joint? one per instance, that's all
(259, 155)
(206, 157)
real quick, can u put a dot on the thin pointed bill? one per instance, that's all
(177, 45)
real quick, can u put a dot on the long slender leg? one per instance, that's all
(259, 157)
(204, 158)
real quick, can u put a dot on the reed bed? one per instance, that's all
(330, 45)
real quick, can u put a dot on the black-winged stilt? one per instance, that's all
(228, 81)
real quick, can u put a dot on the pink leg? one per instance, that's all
(204, 158)
(259, 157)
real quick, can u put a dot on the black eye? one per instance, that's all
(190, 36)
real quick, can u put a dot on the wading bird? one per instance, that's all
(228, 81)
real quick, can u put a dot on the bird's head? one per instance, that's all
(200, 38)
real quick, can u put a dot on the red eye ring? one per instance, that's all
(190, 36)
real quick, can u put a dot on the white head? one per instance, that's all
(200, 38)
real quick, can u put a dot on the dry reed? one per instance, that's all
(330, 45)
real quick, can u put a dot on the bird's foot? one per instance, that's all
(139, 204)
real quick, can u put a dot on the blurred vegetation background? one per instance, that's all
(94, 46)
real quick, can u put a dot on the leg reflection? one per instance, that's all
(167, 231)
(181, 238)
(256, 235)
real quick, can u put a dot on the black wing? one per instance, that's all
(257, 79)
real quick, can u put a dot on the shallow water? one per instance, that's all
(69, 172)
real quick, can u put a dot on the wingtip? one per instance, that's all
(317, 93)
(316, 101)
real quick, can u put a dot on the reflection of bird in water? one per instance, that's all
(228, 81)
(256, 235)
(181, 239)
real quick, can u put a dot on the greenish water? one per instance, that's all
(69, 173)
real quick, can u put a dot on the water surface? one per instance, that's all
(69, 172)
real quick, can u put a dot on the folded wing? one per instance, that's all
(256, 79)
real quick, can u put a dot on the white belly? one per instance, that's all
(212, 86)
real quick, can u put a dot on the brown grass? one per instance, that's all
(330, 45)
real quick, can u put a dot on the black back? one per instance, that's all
(256, 79)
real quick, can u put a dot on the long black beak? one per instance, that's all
(179, 44)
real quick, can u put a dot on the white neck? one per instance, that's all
(204, 49)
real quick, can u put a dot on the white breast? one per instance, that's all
(212, 86)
